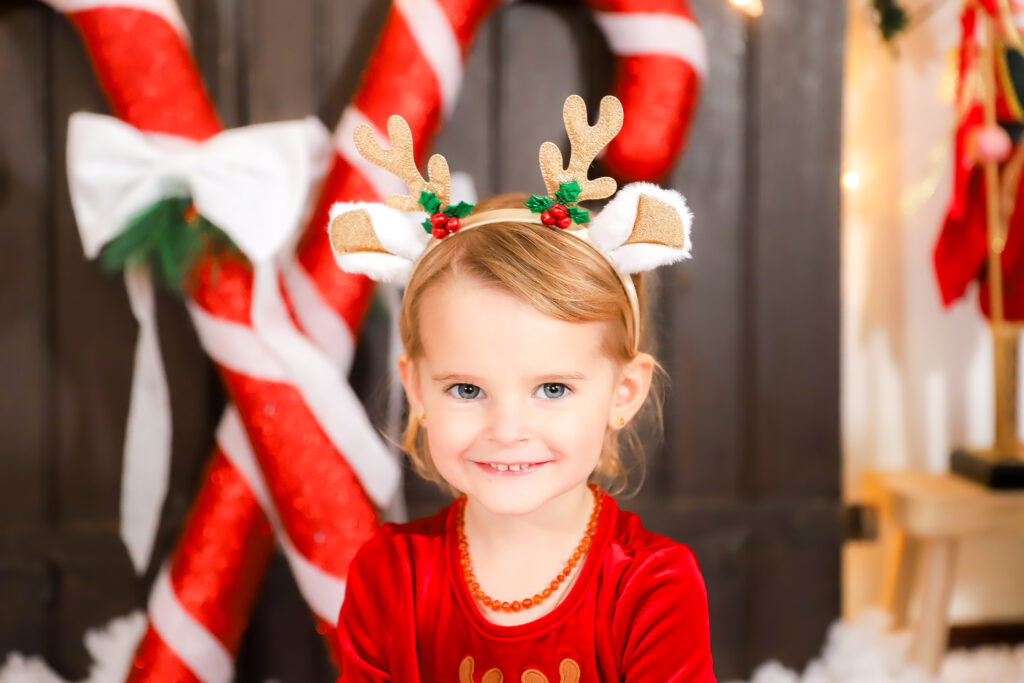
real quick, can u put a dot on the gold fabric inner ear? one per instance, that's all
(657, 223)
(352, 231)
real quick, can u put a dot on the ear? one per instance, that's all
(632, 389)
(375, 240)
(411, 382)
(642, 227)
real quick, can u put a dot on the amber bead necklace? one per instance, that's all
(517, 605)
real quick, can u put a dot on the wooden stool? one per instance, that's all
(924, 516)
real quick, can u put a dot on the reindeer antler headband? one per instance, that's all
(644, 226)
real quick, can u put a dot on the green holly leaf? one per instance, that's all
(568, 192)
(459, 210)
(427, 226)
(430, 202)
(578, 215)
(538, 204)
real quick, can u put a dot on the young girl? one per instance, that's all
(522, 367)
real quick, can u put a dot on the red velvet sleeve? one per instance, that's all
(661, 620)
(362, 635)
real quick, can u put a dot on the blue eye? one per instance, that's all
(552, 390)
(464, 391)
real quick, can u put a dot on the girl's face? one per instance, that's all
(505, 388)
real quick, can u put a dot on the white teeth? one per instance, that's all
(517, 467)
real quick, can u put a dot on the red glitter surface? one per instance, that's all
(144, 66)
(677, 7)
(465, 18)
(399, 80)
(659, 97)
(222, 553)
(321, 504)
(223, 286)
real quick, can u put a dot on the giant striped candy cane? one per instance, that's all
(127, 45)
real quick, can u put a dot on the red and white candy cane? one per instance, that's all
(196, 617)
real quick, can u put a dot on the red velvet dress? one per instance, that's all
(637, 611)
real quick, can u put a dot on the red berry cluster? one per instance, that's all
(443, 225)
(556, 215)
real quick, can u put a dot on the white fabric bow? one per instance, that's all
(253, 183)
(250, 182)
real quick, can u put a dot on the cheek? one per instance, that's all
(582, 431)
(451, 433)
(597, 424)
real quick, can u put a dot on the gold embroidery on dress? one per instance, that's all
(568, 672)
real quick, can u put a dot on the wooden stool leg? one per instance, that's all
(900, 570)
(931, 634)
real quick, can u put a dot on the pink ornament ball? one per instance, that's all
(991, 144)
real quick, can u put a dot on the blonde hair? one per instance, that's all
(559, 276)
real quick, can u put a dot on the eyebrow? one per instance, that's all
(550, 377)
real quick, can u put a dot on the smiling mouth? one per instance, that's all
(502, 469)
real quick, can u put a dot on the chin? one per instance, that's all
(509, 505)
(509, 498)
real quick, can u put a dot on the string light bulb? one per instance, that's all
(752, 8)
(851, 180)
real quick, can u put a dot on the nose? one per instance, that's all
(508, 425)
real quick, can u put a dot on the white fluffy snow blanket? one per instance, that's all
(867, 651)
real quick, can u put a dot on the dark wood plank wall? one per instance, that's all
(748, 474)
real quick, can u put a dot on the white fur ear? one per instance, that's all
(375, 240)
(644, 226)
(379, 267)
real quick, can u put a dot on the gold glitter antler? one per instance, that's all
(399, 159)
(586, 142)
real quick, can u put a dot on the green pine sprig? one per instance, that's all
(891, 17)
(164, 238)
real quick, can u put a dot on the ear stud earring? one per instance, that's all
(621, 421)
(423, 419)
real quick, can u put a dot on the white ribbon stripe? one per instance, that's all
(201, 652)
(147, 439)
(165, 9)
(436, 41)
(655, 34)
